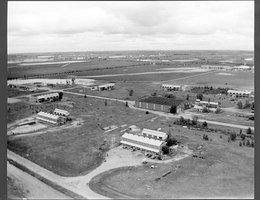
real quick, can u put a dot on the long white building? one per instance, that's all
(60, 112)
(50, 118)
(171, 87)
(141, 142)
(47, 97)
(239, 93)
(157, 135)
(211, 106)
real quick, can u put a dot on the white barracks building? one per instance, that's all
(141, 142)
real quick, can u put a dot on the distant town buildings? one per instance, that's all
(216, 67)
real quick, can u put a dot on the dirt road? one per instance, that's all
(32, 187)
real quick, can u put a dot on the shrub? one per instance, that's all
(147, 112)
(239, 105)
(194, 120)
(85, 96)
(252, 143)
(173, 109)
(165, 149)
(243, 136)
(247, 143)
(126, 104)
(233, 136)
(199, 96)
(205, 110)
(249, 131)
(240, 143)
(154, 94)
(218, 110)
(228, 139)
(131, 92)
(171, 141)
(187, 97)
(205, 124)
(205, 137)
(169, 96)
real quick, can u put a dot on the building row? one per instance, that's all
(47, 97)
(239, 93)
(210, 106)
(59, 117)
(227, 68)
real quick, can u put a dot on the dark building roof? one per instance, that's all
(162, 101)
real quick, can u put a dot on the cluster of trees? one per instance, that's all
(191, 122)
(209, 90)
(169, 95)
(169, 142)
(244, 105)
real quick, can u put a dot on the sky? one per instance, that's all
(129, 25)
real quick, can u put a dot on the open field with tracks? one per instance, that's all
(227, 171)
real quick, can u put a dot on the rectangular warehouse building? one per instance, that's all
(211, 106)
(141, 142)
(109, 86)
(171, 87)
(47, 97)
(239, 93)
(157, 135)
(160, 104)
(62, 113)
(50, 119)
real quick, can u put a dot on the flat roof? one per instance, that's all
(156, 133)
(162, 101)
(170, 85)
(57, 110)
(48, 115)
(48, 95)
(107, 85)
(142, 139)
(140, 146)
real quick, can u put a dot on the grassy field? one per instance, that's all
(232, 81)
(95, 65)
(121, 90)
(14, 190)
(73, 152)
(227, 171)
(13, 92)
(149, 77)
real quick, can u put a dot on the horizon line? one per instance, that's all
(126, 50)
